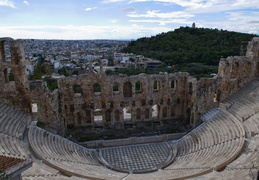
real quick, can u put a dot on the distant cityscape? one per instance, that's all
(76, 54)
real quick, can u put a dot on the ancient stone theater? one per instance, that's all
(221, 114)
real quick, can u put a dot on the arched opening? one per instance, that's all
(77, 88)
(127, 113)
(138, 114)
(127, 89)
(138, 87)
(5, 73)
(235, 68)
(79, 119)
(217, 96)
(2, 49)
(117, 115)
(108, 115)
(146, 113)
(97, 87)
(156, 85)
(190, 88)
(7, 51)
(88, 117)
(164, 112)
(173, 84)
(115, 87)
(98, 118)
(155, 112)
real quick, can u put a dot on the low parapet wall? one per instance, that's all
(131, 141)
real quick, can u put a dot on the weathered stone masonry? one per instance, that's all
(116, 102)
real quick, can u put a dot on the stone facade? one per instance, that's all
(118, 102)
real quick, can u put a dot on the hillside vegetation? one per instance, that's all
(190, 45)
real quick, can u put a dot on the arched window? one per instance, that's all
(138, 114)
(6, 79)
(138, 86)
(77, 88)
(97, 87)
(115, 87)
(127, 89)
(173, 84)
(156, 85)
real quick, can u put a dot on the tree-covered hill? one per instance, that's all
(190, 45)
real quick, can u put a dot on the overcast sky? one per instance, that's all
(121, 19)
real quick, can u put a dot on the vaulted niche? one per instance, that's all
(235, 70)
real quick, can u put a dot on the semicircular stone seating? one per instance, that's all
(68, 157)
(225, 146)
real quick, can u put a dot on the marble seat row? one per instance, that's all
(210, 114)
(67, 156)
(12, 122)
(244, 102)
(12, 146)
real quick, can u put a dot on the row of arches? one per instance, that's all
(127, 114)
(127, 87)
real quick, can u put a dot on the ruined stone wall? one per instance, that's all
(13, 92)
(139, 94)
